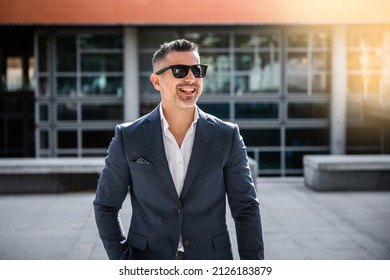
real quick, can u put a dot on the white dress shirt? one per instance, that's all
(178, 157)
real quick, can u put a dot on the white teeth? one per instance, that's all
(187, 89)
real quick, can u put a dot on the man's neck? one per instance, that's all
(179, 121)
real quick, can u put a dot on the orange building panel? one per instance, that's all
(149, 12)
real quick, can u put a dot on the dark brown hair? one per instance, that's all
(180, 45)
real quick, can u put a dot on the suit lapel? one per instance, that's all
(154, 140)
(203, 135)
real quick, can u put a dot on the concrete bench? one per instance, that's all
(347, 172)
(53, 175)
(48, 175)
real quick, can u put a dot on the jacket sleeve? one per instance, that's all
(243, 201)
(112, 190)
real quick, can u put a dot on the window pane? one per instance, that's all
(101, 62)
(269, 160)
(13, 131)
(261, 137)
(294, 160)
(256, 111)
(364, 84)
(2, 132)
(66, 86)
(363, 136)
(67, 111)
(250, 61)
(216, 84)
(321, 40)
(321, 83)
(31, 73)
(369, 39)
(307, 137)
(258, 82)
(43, 111)
(42, 53)
(145, 62)
(354, 110)
(66, 53)
(208, 40)
(10, 106)
(308, 110)
(244, 61)
(321, 61)
(217, 62)
(297, 84)
(97, 139)
(153, 41)
(297, 61)
(102, 112)
(43, 87)
(374, 83)
(353, 60)
(44, 139)
(93, 41)
(146, 86)
(364, 60)
(220, 110)
(297, 41)
(67, 139)
(147, 107)
(102, 85)
(14, 73)
(355, 84)
(250, 41)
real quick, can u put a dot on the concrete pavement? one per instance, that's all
(298, 223)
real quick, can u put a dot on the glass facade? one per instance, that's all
(368, 79)
(80, 92)
(274, 82)
(278, 104)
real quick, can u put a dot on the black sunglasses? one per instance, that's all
(180, 71)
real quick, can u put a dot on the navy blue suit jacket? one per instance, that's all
(136, 162)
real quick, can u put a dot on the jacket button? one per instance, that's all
(179, 210)
(186, 243)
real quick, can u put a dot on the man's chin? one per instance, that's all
(186, 105)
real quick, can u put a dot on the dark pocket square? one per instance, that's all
(142, 161)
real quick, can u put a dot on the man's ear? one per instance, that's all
(155, 81)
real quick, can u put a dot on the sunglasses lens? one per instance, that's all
(197, 71)
(180, 71)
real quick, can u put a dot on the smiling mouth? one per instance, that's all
(188, 90)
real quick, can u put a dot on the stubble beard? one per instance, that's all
(184, 102)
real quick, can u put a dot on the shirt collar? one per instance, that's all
(165, 122)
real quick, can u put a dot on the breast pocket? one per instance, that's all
(141, 167)
(145, 181)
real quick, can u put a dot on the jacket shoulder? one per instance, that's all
(219, 123)
(134, 125)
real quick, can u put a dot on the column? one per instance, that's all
(131, 94)
(338, 108)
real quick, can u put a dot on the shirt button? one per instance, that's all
(186, 243)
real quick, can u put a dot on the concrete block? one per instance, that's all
(347, 172)
(53, 175)
(49, 175)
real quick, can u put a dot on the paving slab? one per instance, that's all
(298, 224)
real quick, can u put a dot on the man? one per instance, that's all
(179, 164)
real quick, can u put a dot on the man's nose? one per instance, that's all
(190, 76)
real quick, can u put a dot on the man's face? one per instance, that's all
(178, 93)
